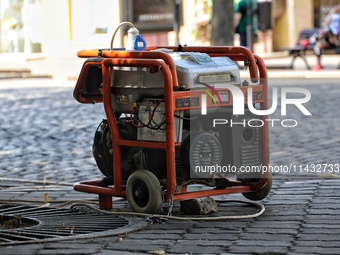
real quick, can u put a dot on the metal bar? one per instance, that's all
(264, 106)
(117, 159)
(134, 55)
(79, 90)
(229, 50)
(92, 187)
(208, 193)
(169, 115)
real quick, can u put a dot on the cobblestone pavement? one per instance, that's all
(46, 135)
(315, 139)
(301, 217)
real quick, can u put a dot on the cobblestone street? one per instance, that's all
(315, 139)
(45, 135)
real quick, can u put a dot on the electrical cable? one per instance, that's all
(115, 32)
(85, 203)
(136, 106)
(213, 218)
(186, 118)
(211, 95)
(88, 203)
(213, 90)
(35, 181)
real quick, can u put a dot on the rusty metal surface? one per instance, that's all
(26, 224)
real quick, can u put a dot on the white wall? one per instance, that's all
(70, 25)
(55, 28)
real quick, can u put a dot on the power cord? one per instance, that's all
(213, 218)
(87, 204)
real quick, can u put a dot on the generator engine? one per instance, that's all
(139, 106)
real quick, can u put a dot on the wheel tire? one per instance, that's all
(261, 193)
(144, 192)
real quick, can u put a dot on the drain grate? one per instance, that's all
(23, 224)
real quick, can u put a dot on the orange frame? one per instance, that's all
(149, 58)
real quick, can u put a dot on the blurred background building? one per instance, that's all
(59, 28)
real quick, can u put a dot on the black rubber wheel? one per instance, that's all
(144, 192)
(261, 193)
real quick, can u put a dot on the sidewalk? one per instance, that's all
(277, 64)
(37, 66)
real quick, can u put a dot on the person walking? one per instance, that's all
(243, 14)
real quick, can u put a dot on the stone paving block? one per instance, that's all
(324, 211)
(261, 222)
(304, 193)
(324, 222)
(224, 243)
(329, 186)
(21, 249)
(277, 243)
(171, 224)
(281, 189)
(317, 237)
(300, 184)
(316, 243)
(192, 249)
(10, 197)
(67, 251)
(266, 237)
(316, 231)
(290, 202)
(161, 232)
(321, 225)
(316, 250)
(216, 236)
(321, 206)
(268, 230)
(258, 249)
(162, 241)
(141, 246)
(113, 252)
(214, 231)
(316, 217)
(299, 253)
(72, 245)
(329, 193)
(287, 217)
(285, 195)
(146, 236)
(279, 211)
(223, 224)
